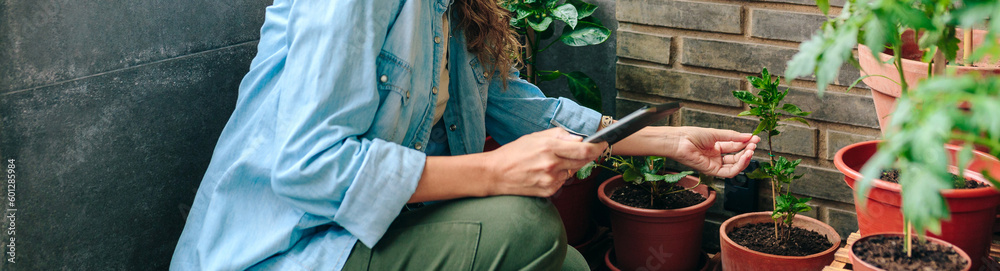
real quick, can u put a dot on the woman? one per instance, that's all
(354, 108)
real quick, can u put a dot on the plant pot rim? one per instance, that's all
(614, 205)
(838, 161)
(836, 239)
(854, 258)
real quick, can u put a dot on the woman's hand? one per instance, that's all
(722, 153)
(537, 164)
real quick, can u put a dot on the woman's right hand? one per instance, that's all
(537, 164)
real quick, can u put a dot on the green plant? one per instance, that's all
(765, 105)
(534, 19)
(880, 24)
(645, 172)
(924, 121)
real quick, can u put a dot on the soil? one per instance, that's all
(887, 252)
(760, 237)
(638, 196)
(892, 176)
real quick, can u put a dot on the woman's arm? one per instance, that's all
(715, 152)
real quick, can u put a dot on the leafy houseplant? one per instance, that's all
(924, 30)
(780, 171)
(653, 238)
(534, 20)
(768, 106)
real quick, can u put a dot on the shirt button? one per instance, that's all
(486, 74)
(407, 94)
(384, 79)
(437, 39)
(452, 127)
(434, 90)
(418, 146)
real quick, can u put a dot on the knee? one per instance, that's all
(531, 220)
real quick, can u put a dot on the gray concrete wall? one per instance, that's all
(597, 61)
(110, 110)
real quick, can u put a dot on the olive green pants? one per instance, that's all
(493, 233)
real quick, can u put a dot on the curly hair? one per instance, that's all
(488, 34)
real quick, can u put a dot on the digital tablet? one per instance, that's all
(633, 123)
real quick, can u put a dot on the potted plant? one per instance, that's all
(900, 42)
(534, 19)
(656, 216)
(777, 240)
(884, 251)
(932, 173)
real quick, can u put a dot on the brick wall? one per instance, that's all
(699, 51)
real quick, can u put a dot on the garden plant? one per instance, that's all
(765, 105)
(535, 21)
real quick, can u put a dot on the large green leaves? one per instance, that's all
(586, 33)
(584, 90)
(566, 13)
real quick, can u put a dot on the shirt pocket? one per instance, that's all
(479, 73)
(394, 81)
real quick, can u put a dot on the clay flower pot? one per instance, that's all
(885, 91)
(575, 202)
(736, 257)
(611, 264)
(973, 211)
(860, 265)
(646, 238)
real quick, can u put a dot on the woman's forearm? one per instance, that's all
(652, 140)
(452, 177)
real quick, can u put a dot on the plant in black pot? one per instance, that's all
(656, 215)
(780, 239)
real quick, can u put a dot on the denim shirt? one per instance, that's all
(327, 140)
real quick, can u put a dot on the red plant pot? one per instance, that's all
(973, 211)
(645, 238)
(575, 202)
(611, 265)
(736, 257)
(860, 265)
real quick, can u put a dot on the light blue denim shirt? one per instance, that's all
(327, 141)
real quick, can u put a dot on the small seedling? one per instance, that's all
(644, 172)
(765, 105)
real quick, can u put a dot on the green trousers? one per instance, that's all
(493, 233)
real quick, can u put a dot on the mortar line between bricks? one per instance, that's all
(194, 54)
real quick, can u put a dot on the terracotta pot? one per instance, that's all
(973, 211)
(645, 238)
(575, 202)
(736, 257)
(860, 265)
(610, 263)
(885, 91)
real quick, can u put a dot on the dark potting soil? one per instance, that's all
(638, 196)
(760, 237)
(887, 252)
(892, 176)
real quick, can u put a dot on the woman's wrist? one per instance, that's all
(652, 140)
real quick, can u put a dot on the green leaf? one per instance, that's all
(539, 23)
(824, 6)
(653, 177)
(804, 62)
(758, 174)
(583, 9)
(586, 170)
(632, 176)
(875, 36)
(744, 113)
(760, 127)
(548, 76)
(586, 33)
(673, 178)
(747, 97)
(803, 121)
(794, 110)
(566, 13)
(584, 90)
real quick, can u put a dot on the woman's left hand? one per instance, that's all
(716, 152)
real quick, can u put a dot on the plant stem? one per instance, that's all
(774, 183)
(898, 57)
(907, 245)
(967, 46)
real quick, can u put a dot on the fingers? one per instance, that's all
(568, 146)
(734, 163)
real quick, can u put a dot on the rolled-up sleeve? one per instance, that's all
(327, 99)
(523, 109)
